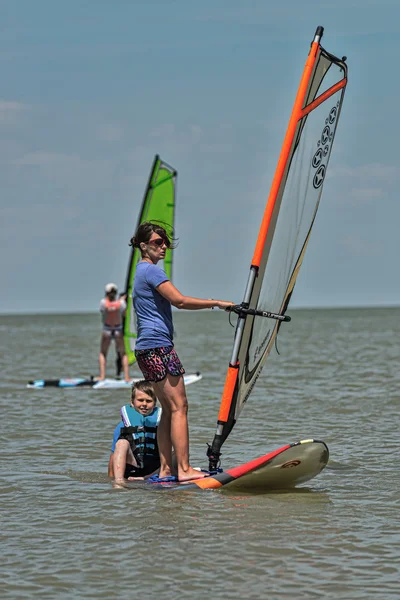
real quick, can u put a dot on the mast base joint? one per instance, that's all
(214, 458)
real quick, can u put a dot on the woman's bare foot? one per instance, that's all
(191, 474)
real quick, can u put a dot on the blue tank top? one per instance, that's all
(153, 312)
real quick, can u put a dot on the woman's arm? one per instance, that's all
(173, 295)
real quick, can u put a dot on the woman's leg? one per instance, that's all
(174, 432)
(104, 345)
(164, 440)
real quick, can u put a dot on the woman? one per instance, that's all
(153, 295)
(112, 311)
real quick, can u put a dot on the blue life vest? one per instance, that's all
(143, 429)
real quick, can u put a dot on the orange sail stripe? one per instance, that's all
(332, 90)
(287, 144)
(227, 394)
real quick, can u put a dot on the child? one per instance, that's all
(134, 451)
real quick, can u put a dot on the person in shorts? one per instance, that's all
(153, 296)
(112, 311)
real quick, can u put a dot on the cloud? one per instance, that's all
(193, 137)
(373, 170)
(11, 105)
(163, 130)
(356, 246)
(10, 112)
(68, 175)
(259, 13)
(364, 184)
(363, 195)
(44, 159)
(110, 133)
(8, 150)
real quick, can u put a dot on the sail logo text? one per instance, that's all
(290, 464)
(261, 347)
(324, 144)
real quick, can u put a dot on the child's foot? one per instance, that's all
(120, 483)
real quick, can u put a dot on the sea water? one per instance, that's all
(66, 533)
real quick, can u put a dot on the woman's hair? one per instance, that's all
(143, 386)
(145, 230)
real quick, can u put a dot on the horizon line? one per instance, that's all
(294, 308)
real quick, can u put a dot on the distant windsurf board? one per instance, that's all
(79, 382)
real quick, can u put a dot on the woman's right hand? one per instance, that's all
(224, 305)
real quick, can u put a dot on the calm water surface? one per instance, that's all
(66, 533)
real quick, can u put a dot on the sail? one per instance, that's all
(285, 229)
(159, 205)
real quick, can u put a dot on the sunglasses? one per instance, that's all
(158, 242)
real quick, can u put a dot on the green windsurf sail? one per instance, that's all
(158, 205)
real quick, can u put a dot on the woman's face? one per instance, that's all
(156, 247)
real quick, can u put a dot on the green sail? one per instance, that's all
(159, 205)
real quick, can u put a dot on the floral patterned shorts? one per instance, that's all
(155, 363)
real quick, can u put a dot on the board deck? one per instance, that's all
(284, 468)
(98, 385)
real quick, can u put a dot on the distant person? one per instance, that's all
(153, 295)
(112, 311)
(134, 450)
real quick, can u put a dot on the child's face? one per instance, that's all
(143, 403)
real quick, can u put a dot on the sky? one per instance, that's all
(91, 90)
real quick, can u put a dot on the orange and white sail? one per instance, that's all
(285, 229)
